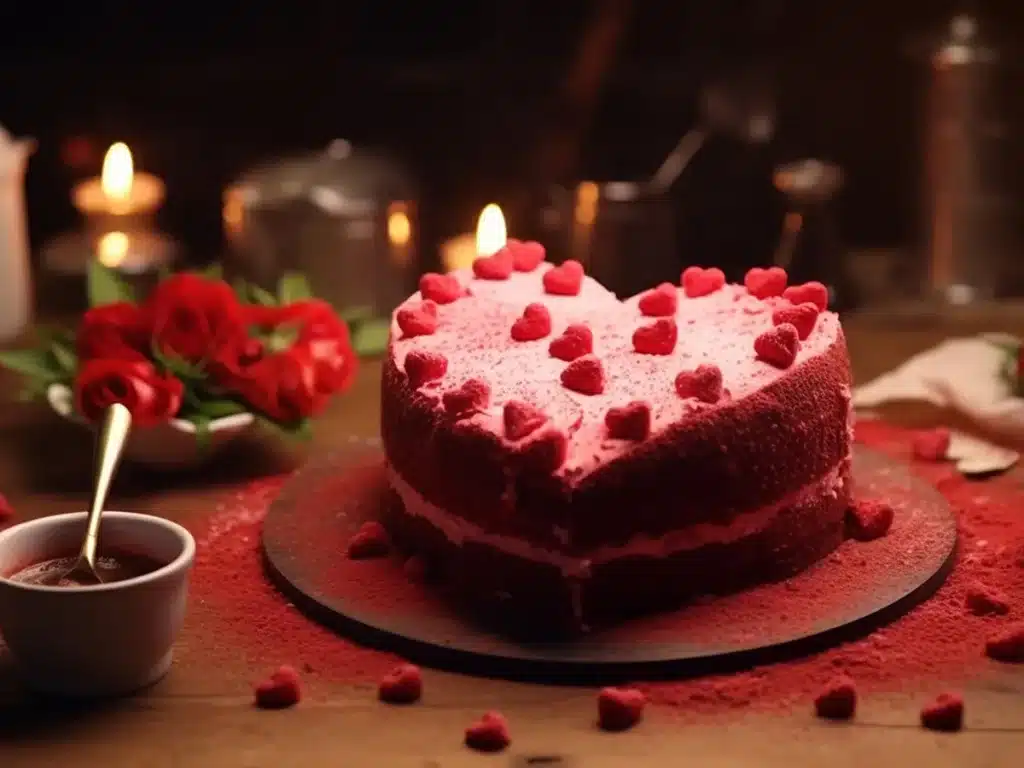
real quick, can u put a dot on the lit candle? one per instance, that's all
(119, 191)
(460, 252)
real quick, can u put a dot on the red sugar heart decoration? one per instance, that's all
(1007, 645)
(698, 281)
(658, 338)
(619, 709)
(422, 366)
(813, 292)
(280, 690)
(442, 289)
(868, 519)
(546, 452)
(402, 685)
(837, 700)
(371, 540)
(778, 346)
(703, 383)
(521, 419)
(660, 302)
(931, 444)
(473, 396)
(526, 256)
(629, 422)
(489, 733)
(803, 317)
(418, 321)
(576, 340)
(765, 283)
(584, 375)
(986, 601)
(945, 713)
(534, 324)
(564, 280)
(495, 267)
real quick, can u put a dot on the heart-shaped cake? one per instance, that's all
(568, 459)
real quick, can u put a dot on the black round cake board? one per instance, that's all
(375, 603)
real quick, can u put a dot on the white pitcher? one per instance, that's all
(15, 272)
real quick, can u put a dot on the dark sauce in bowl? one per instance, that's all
(110, 566)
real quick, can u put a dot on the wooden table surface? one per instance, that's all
(201, 714)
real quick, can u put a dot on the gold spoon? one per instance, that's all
(117, 423)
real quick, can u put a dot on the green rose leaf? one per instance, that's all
(105, 286)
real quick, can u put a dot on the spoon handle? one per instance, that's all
(116, 424)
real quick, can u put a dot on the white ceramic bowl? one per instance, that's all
(171, 445)
(103, 640)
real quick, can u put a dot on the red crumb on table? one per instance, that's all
(489, 733)
(1007, 645)
(6, 510)
(371, 540)
(945, 713)
(402, 685)
(982, 600)
(619, 709)
(837, 700)
(279, 691)
(869, 519)
(931, 444)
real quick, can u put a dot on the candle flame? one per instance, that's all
(399, 226)
(118, 172)
(112, 249)
(490, 231)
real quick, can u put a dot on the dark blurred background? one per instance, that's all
(465, 93)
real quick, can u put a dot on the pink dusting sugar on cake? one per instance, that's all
(759, 471)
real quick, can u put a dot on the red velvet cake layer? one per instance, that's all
(536, 425)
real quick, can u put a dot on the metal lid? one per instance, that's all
(340, 180)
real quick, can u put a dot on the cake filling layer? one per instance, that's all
(459, 530)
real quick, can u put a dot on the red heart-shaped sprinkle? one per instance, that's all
(489, 733)
(526, 256)
(495, 267)
(629, 422)
(619, 709)
(660, 302)
(813, 292)
(422, 366)
(565, 279)
(868, 519)
(402, 685)
(442, 289)
(584, 375)
(521, 419)
(472, 397)
(658, 338)
(280, 690)
(946, 713)
(6, 510)
(802, 317)
(1007, 645)
(765, 283)
(576, 340)
(778, 346)
(983, 600)
(534, 324)
(698, 281)
(837, 700)
(931, 444)
(371, 540)
(703, 383)
(546, 452)
(418, 321)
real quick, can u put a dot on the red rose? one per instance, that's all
(194, 317)
(283, 385)
(114, 331)
(151, 398)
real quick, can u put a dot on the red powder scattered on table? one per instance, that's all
(936, 640)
